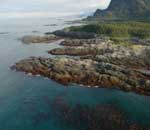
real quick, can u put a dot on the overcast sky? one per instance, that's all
(55, 7)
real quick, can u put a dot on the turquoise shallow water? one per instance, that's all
(24, 100)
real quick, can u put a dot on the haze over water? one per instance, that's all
(25, 98)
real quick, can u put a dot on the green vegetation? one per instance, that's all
(120, 41)
(117, 29)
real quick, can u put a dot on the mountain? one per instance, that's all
(124, 9)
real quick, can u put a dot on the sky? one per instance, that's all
(51, 7)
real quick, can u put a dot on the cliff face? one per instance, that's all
(125, 9)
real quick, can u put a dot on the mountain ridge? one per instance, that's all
(124, 9)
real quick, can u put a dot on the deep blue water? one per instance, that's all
(23, 98)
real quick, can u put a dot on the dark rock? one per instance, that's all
(72, 34)
(87, 72)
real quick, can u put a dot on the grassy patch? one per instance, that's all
(117, 29)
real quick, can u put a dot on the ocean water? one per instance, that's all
(26, 101)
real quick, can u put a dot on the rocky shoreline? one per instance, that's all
(99, 63)
(34, 39)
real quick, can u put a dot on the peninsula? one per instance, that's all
(110, 55)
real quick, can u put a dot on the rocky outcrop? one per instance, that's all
(82, 42)
(40, 39)
(100, 63)
(95, 47)
(138, 41)
(79, 51)
(74, 34)
(87, 72)
(83, 47)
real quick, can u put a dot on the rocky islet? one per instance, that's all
(34, 39)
